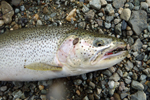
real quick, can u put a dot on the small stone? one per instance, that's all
(84, 77)
(120, 10)
(111, 91)
(15, 2)
(43, 97)
(41, 87)
(85, 98)
(92, 84)
(129, 33)
(137, 45)
(111, 84)
(22, 8)
(71, 15)
(116, 96)
(143, 77)
(138, 21)
(3, 88)
(115, 77)
(134, 76)
(45, 10)
(103, 2)
(107, 25)
(126, 13)
(100, 22)
(36, 17)
(89, 15)
(77, 82)
(136, 2)
(137, 85)
(123, 95)
(128, 28)
(17, 10)
(129, 65)
(39, 23)
(53, 15)
(124, 25)
(1, 22)
(116, 21)
(109, 18)
(78, 92)
(128, 81)
(95, 4)
(85, 9)
(91, 96)
(140, 95)
(122, 86)
(97, 97)
(100, 14)
(118, 3)
(118, 29)
(144, 6)
(109, 9)
(148, 2)
(99, 91)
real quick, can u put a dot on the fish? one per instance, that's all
(42, 53)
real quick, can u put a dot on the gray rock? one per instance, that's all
(111, 84)
(3, 88)
(128, 81)
(120, 72)
(118, 29)
(39, 23)
(136, 2)
(77, 82)
(97, 97)
(107, 25)
(144, 6)
(109, 9)
(123, 95)
(147, 71)
(109, 18)
(129, 65)
(100, 14)
(84, 77)
(53, 15)
(124, 25)
(18, 94)
(148, 28)
(103, 2)
(107, 72)
(130, 40)
(137, 45)
(85, 9)
(131, 6)
(95, 4)
(116, 21)
(85, 98)
(92, 84)
(137, 85)
(134, 76)
(126, 13)
(22, 8)
(89, 15)
(17, 10)
(100, 22)
(138, 21)
(143, 77)
(111, 91)
(82, 25)
(115, 77)
(140, 95)
(118, 3)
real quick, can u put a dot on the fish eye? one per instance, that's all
(99, 44)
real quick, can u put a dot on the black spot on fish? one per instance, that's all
(75, 41)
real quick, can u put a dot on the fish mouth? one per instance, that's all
(119, 52)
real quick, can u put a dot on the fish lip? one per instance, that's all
(112, 55)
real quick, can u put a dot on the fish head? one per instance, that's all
(87, 51)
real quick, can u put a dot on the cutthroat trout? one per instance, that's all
(32, 54)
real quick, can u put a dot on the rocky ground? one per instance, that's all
(125, 19)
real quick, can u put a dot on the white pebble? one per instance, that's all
(111, 84)
(1, 22)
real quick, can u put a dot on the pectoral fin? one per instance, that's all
(42, 67)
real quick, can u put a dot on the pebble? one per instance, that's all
(148, 2)
(77, 82)
(109, 9)
(101, 15)
(92, 84)
(118, 29)
(84, 77)
(100, 22)
(111, 84)
(1, 22)
(107, 25)
(107, 72)
(89, 15)
(109, 18)
(118, 3)
(17, 10)
(115, 77)
(85, 9)
(103, 2)
(120, 72)
(143, 77)
(71, 15)
(3, 88)
(126, 13)
(39, 23)
(99, 91)
(124, 25)
(95, 4)
(123, 95)
(116, 96)
(144, 6)
(134, 76)
(136, 2)
(116, 21)
(129, 66)
(140, 95)
(137, 85)
(45, 10)
(22, 8)
(85, 98)
(111, 91)
(43, 97)
(121, 86)
(138, 21)
(128, 81)
(137, 45)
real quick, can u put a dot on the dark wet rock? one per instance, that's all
(137, 85)
(118, 29)
(109, 18)
(131, 6)
(118, 3)
(140, 95)
(95, 4)
(130, 40)
(82, 25)
(115, 77)
(137, 45)
(109, 9)
(138, 21)
(77, 82)
(143, 77)
(89, 15)
(124, 25)
(136, 2)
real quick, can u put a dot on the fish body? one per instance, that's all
(42, 53)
